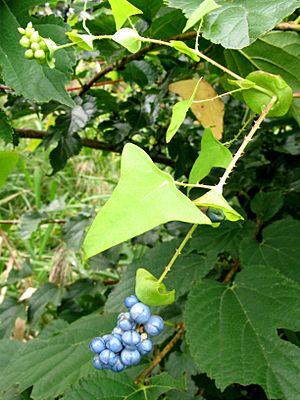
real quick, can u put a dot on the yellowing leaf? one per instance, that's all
(210, 114)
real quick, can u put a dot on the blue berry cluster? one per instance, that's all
(129, 340)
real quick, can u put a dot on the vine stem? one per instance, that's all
(177, 252)
(246, 140)
(219, 186)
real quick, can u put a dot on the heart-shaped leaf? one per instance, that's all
(150, 291)
(144, 198)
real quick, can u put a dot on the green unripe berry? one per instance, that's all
(24, 42)
(43, 45)
(39, 54)
(35, 37)
(35, 46)
(29, 32)
(22, 31)
(29, 54)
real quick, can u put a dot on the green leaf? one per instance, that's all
(85, 41)
(73, 230)
(188, 268)
(6, 131)
(150, 291)
(144, 198)
(183, 48)
(10, 309)
(276, 86)
(232, 331)
(112, 386)
(45, 295)
(140, 72)
(29, 223)
(277, 53)
(216, 200)
(213, 154)
(8, 160)
(205, 7)
(128, 38)
(27, 77)
(54, 363)
(122, 10)
(236, 24)
(179, 113)
(279, 248)
(266, 205)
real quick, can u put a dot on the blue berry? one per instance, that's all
(114, 344)
(117, 331)
(131, 301)
(215, 215)
(125, 322)
(108, 357)
(131, 338)
(97, 344)
(106, 338)
(118, 366)
(140, 313)
(154, 325)
(130, 357)
(98, 364)
(145, 346)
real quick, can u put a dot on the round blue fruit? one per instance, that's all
(131, 301)
(118, 366)
(131, 338)
(97, 344)
(154, 325)
(114, 344)
(125, 322)
(117, 331)
(130, 357)
(108, 357)
(145, 346)
(140, 313)
(215, 215)
(98, 364)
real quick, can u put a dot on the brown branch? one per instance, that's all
(157, 359)
(288, 26)
(235, 266)
(296, 95)
(71, 89)
(120, 64)
(17, 221)
(91, 143)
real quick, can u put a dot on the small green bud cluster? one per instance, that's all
(34, 43)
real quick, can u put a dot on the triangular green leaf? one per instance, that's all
(128, 38)
(179, 113)
(8, 160)
(232, 331)
(213, 154)
(85, 41)
(144, 198)
(150, 291)
(122, 10)
(183, 48)
(216, 200)
(205, 7)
